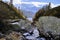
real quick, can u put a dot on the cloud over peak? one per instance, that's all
(36, 4)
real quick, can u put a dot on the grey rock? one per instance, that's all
(49, 23)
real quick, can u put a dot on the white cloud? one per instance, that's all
(54, 5)
(37, 4)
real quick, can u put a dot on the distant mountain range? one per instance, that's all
(28, 9)
(28, 14)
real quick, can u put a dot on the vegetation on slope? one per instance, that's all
(47, 12)
(8, 12)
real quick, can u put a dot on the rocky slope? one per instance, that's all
(50, 12)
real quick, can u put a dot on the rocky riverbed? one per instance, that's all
(24, 30)
(33, 35)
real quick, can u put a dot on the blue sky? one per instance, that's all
(52, 1)
(34, 5)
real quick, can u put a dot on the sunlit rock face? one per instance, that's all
(23, 24)
(49, 23)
